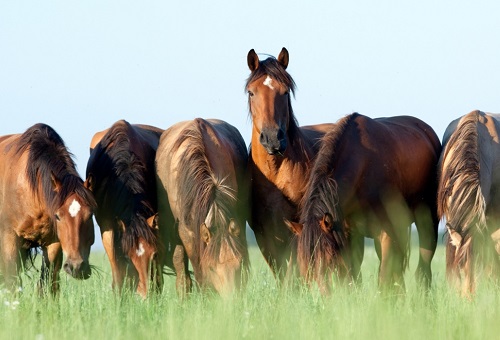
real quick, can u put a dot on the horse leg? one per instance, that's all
(117, 266)
(183, 281)
(427, 228)
(51, 266)
(11, 261)
(391, 266)
(357, 245)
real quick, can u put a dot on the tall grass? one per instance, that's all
(89, 310)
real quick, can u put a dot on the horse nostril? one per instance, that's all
(262, 138)
(68, 268)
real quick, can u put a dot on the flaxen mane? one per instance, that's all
(204, 195)
(49, 160)
(321, 197)
(460, 186)
(125, 173)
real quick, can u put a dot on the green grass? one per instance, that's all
(89, 310)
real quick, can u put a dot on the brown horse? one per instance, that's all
(43, 203)
(121, 174)
(469, 196)
(201, 167)
(372, 178)
(280, 157)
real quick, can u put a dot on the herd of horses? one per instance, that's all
(311, 195)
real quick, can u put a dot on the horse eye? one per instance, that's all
(57, 217)
(250, 93)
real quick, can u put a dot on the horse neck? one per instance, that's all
(292, 167)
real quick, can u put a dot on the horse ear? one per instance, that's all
(252, 60)
(283, 57)
(326, 223)
(56, 185)
(89, 183)
(205, 233)
(294, 227)
(121, 225)
(153, 221)
(234, 229)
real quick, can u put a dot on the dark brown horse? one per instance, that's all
(43, 203)
(469, 196)
(372, 178)
(280, 157)
(121, 174)
(201, 167)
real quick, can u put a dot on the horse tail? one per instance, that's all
(460, 198)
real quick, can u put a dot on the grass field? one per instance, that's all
(89, 310)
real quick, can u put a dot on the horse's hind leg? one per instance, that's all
(427, 228)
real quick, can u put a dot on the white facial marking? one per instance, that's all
(140, 250)
(74, 208)
(268, 82)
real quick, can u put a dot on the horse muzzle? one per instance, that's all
(78, 270)
(274, 141)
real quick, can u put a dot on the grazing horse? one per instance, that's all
(201, 168)
(43, 203)
(121, 174)
(280, 157)
(371, 178)
(469, 195)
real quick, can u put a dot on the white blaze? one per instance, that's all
(74, 208)
(140, 250)
(268, 82)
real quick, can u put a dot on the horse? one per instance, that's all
(468, 197)
(43, 204)
(203, 202)
(372, 178)
(121, 174)
(281, 153)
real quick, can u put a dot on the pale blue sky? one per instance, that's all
(79, 66)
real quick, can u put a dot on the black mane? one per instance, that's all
(321, 197)
(128, 184)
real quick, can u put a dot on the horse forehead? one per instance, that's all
(74, 208)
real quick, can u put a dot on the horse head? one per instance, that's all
(75, 231)
(224, 261)
(269, 87)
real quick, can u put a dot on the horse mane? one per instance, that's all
(460, 185)
(127, 183)
(205, 195)
(321, 197)
(275, 70)
(49, 159)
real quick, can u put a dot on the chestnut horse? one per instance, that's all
(371, 178)
(280, 156)
(121, 174)
(43, 203)
(468, 196)
(201, 169)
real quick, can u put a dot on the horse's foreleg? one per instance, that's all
(357, 245)
(11, 261)
(51, 265)
(117, 267)
(391, 265)
(427, 228)
(183, 281)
